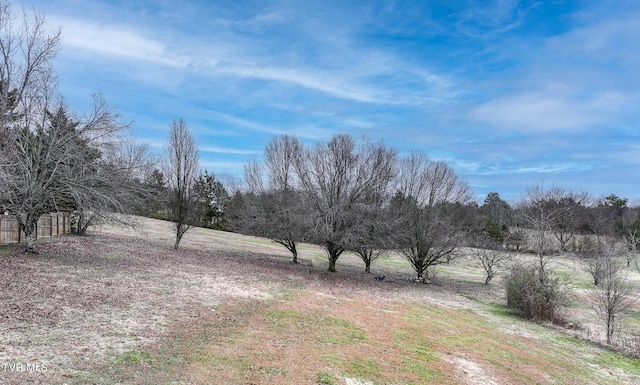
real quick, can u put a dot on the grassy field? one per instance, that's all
(122, 307)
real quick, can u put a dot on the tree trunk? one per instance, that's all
(291, 245)
(332, 264)
(333, 252)
(178, 238)
(29, 236)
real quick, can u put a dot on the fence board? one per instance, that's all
(48, 225)
(9, 229)
(43, 228)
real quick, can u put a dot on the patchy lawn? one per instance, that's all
(125, 308)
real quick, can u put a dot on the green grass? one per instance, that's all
(618, 360)
(326, 378)
(502, 311)
(365, 369)
(7, 250)
(418, 368)
(341, 332)
(134, 356)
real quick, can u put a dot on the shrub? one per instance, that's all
(534, 294)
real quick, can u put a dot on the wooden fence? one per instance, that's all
(49, 225)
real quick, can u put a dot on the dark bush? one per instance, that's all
(534, 295)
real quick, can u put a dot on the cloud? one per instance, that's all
(345, 70)
(244, 123)
(608, 40)
(230, 167)
(231, 151)
(115, 40)
(546, 111)
(487, 20)
(327, 83)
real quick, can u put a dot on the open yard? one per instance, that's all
(122, 307)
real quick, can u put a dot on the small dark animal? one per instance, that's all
(380, 277)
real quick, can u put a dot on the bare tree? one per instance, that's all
(116, 188)
(611, 299)
(68, 164)
(280, 155)
(571, 217)
(539, 211)
(631, 234)
(254, 177)
(373, 231)
(273, 206)
(26, 87)
(289, 222)
(490, 254)
(592, 261)
(338, 178)
(181, 169)
(369, 256)
(632, 241)
(431, 213)
(27, 78)
(516, 238)
(50, 159)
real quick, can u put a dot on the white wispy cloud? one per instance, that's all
(491, 18)
(329, 83)
(358, 73)
(232, 151)
(244, 123)
(545, 111)
(115, 40)
(549, 168)
(231, 167)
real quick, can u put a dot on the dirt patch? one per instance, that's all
(471, 372)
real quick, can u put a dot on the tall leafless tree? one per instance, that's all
(27, 77)
(272, 206)
(181, 168)
(431, 213)
(288, 218)
(338, 178)
(27, 84)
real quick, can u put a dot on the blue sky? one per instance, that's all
(509, 93)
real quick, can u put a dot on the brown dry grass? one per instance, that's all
(124, 308)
